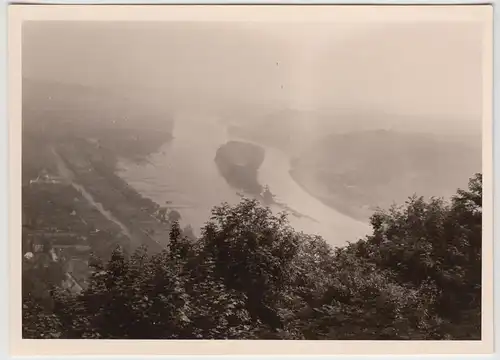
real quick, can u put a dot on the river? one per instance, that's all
(183, 172)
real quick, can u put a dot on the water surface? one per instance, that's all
(183, 172)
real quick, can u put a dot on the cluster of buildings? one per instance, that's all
(51, 248)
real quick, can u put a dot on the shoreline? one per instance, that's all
(334, 206)
(94, 169)
(344, 210)
(256, 188)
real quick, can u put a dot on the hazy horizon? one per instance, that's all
(341, 67)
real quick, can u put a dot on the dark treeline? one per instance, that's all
(251, 276)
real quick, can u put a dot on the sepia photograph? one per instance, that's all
(253, 173)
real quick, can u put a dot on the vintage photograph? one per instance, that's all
(268, 179)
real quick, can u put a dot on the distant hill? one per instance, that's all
(294, 130)
(54, 112)
(52, 105)
(359, 171)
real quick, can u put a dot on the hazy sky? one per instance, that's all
(430, 69)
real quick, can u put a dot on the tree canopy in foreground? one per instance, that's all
(251, 276)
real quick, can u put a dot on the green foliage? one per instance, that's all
(251, 276)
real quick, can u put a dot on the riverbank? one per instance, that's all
(75, 207)
(338, 202)
(302, 178)
(94, 169)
